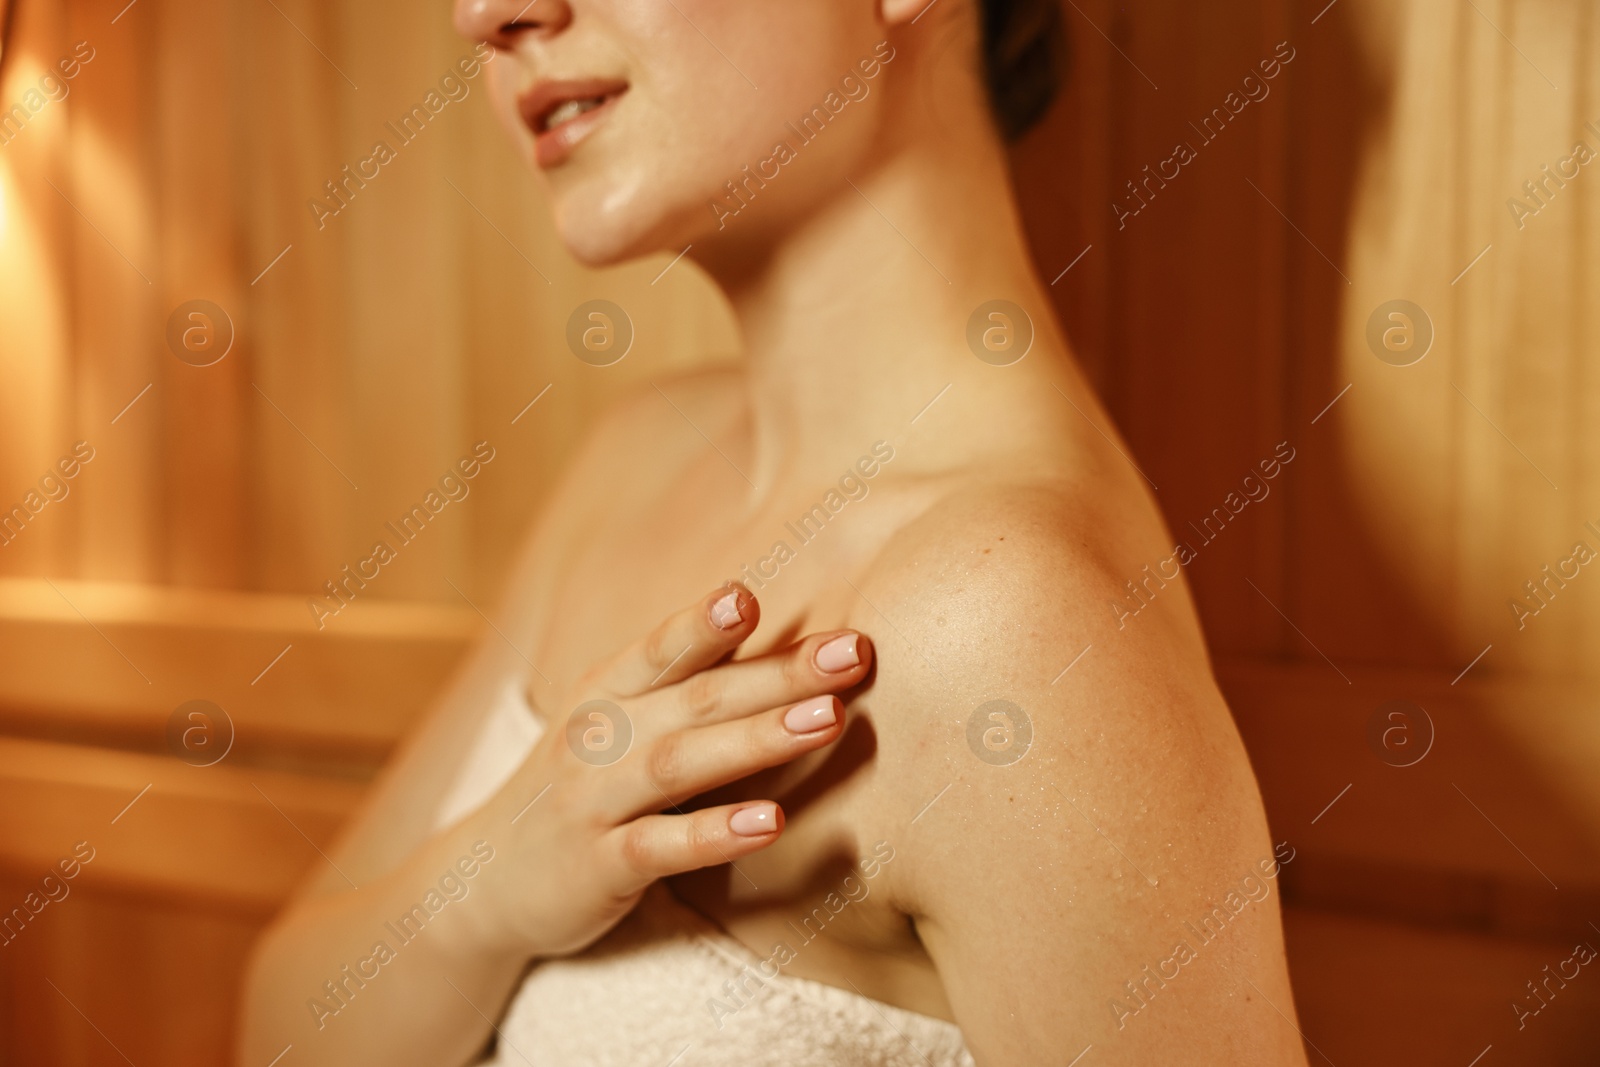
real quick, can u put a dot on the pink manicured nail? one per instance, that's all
(814, 714)
(755, 820)
(838, 655)
(725, 612)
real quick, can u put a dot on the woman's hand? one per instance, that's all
(578, 831)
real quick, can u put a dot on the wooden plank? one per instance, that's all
(225, 838)
(206, 425)
(80, 653)
(1494, 829)
(36, 313)
(118, 323)
(1389, 995)
(150, 956)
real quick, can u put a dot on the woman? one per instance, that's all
(910, 792)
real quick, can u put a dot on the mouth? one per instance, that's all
(562, 113)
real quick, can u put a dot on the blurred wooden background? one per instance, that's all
(1224, 317)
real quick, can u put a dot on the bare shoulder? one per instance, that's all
(1003, 592)
(1062, 791)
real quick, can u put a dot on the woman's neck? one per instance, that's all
(855, 319)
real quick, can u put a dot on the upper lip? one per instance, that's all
(537, 103)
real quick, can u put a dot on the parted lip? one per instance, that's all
(536, 104)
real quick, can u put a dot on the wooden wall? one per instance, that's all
(384, 343)
(1222, 318)
(1226, 316)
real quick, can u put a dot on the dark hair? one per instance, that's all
(1024, 60)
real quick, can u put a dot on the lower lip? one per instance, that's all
(552, 147)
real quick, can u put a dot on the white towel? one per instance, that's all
(669, 986)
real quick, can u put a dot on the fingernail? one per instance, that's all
(725, 612)
(838, 654)
(755, 820)
(814, 714)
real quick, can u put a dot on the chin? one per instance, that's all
(614, 210)
(604, 229)
(598, 246)
(637, 135)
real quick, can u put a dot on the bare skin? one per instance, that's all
(978, 565)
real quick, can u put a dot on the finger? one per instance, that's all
(657, 846)
(829, 662)
(687, 642)
(685, 763)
